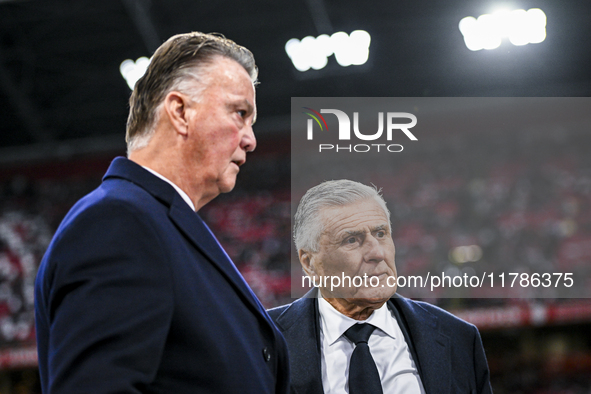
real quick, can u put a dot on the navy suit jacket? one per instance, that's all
(136, 295)
(448, 350)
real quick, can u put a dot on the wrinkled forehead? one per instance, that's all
(363, 215)
(225, 70)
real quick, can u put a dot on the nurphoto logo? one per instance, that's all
(344, 131)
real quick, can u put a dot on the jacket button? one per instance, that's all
(266, 354)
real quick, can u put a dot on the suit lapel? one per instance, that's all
(203, 239)
(394, 308)
(303, 337)
(189, 223)
(432, 347)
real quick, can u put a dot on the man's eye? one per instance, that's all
(381, 234)
(241, 113)
(351, 240)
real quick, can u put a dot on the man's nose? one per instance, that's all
(249, 141)
(375, 249)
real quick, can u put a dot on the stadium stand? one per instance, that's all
(527, 208)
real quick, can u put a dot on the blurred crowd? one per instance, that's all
(523, 207)
(526, 206)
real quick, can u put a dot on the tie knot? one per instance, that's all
(359, 333)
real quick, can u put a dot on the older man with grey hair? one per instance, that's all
(135, 294)
(359, 336)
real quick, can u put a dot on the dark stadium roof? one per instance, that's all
(60, 86)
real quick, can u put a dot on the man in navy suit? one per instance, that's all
(342, 230)
(135, 294)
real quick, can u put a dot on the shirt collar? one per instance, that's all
(184, 195)
(334, 324)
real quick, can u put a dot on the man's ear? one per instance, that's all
(307, 261)
(175, 106)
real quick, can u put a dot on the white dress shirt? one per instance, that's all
(397, 370)
(184, 195)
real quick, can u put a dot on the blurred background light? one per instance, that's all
(466, 254)
(132, 71)
(520, 27)
(310, 52)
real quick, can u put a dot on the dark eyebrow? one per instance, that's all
(352, 233)
(249, 107)
(381, 227)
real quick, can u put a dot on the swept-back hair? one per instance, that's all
(308, 226)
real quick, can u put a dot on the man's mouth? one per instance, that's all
(378, 275)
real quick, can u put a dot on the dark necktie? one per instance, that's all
(363, 373)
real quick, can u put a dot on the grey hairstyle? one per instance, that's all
(176, 65)
(308, 227)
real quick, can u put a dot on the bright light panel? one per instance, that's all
(519, 26)
(310, 52)
(132, 71)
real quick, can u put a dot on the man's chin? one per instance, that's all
(227, 185)
(377, 294)
(372, 295)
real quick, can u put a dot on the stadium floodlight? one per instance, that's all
(519, 26)
(310, 52)
(132, 71)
